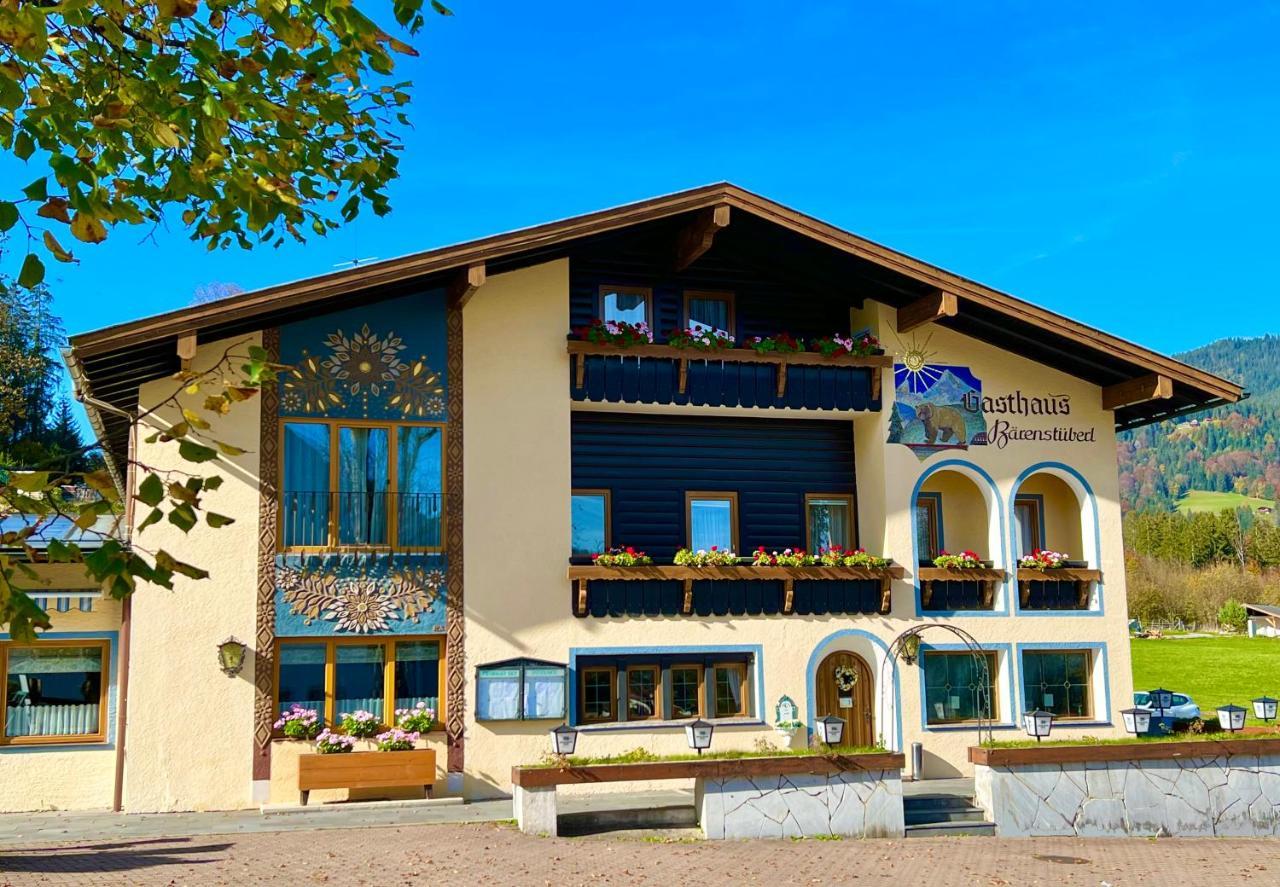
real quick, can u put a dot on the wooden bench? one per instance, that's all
(367, 769)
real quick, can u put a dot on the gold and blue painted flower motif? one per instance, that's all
(359, 603)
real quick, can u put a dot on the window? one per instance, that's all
(686, 691)
(1057, 681)
(729, 683)
(713, 520)
(520, 689)
(629, 304)
(1028, 511)
(655, 687)
(590, 522)
(362, 485)
(336, 676)
(709, 311)
(956, 689)
(643, 682)
(55, 691)
(829, 520)
(598, 691)
(929, 525)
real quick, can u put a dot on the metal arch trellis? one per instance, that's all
(906, 647)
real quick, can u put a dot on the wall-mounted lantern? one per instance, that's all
(231, 656)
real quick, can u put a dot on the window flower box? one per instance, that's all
(1081, 576)
(367, 769)
(964, 567)
(716, 557)
(621, 557)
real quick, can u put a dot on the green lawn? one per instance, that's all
(1204, 500)
(1212, 671)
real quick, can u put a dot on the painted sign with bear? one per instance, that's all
(929, 413)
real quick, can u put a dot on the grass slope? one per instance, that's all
(1205, 500)
(1212, 671)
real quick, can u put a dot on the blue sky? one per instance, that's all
(1114, 164)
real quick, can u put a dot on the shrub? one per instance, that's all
(396, 739)
(1232, 615)
(418, 719)
(299, 722)
(360, 723)
(328, 743)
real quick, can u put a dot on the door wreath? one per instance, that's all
(846, 678)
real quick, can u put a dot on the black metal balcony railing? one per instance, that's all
(376, 520)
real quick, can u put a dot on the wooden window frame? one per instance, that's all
(851, 539)
(646, 292)
(691, 495)
(1088, 654)
(608, 513)
(701, 693)
(744, 711)
(993, 666)
(658, 711)
(1036, 503)
(388, 643)
(713, 296)
(393, 483)
(104, 693)
(932, 503)
(612, 671)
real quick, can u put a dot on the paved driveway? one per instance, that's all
(491, 854)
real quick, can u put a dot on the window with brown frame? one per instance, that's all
(627, 304)
(709, 311)
(929, 526)
(337, 676)
(956, 689)
(712, 520)
(686, 691)
(729, 690)
(589, 522)
(362, 485)
(54, 691)
(599, 692)
(644, 693)
(828, 521)
(1029, 514)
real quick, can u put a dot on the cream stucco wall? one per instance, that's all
(965, 523)
(1061, 513)
(517, 503)
(190, 729)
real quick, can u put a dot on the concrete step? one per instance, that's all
(937, 802)
(951, 829)
(678, 816)
(956, 814)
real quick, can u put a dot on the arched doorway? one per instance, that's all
(853, 705)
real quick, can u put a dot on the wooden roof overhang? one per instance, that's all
(816, 257)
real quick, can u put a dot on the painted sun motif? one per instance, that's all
(364, 362)
(916, 370)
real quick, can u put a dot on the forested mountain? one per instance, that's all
(1228, 450)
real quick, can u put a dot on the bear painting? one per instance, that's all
(928, 412)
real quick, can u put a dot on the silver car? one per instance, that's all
(1184, 708)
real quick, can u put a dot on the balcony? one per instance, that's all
(668, 590)
(1066, 588)
(735, 377)
(323, 521)
(947, 589)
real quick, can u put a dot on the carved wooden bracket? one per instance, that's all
(788, 596)
(1082, 595)
(686, 606)
(928, 309)
(1024, 593)
(186, 349)
(1139, 390)
(697, 238)
(782, 379)
(988, 594)
(580, 605)
(465, 285)
(886, 596)
(926, 593)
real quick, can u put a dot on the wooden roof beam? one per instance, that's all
(187, 349)
(1152, 386)
(928, 309)
(697, 238)
(466, 283)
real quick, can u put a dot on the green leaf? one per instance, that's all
(183, 517)
(32, 273)
(166, 561)
(8, 215)
(38, 190)
(218, 520)
(229, 450)
(155, 515)
(194, 452)
(151, 490)
(87, 228)
(212, 483)
(29, 481)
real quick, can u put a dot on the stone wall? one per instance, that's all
(853, 803)
(1234, 795)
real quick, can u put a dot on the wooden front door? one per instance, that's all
(854, 706)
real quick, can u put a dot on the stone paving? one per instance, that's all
(496, 854)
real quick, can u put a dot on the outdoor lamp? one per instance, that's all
(1231, 717)
(563, 739)
(830, 730)
(699, 734)
(231, 656)
(1037, 723)
(1161, 699)
(1264, 708)
(1136, 720)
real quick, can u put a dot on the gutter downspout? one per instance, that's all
(122, 705)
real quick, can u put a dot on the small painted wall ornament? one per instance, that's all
(785, 711)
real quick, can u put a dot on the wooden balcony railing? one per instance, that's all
(987, 576)
(1082, 578)
(581, 575)
(580, 349)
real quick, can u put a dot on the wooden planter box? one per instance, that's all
(988, 576)
(367, 769)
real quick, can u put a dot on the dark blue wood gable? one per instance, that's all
(648, 463)
(763, 303)
(657, 597)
